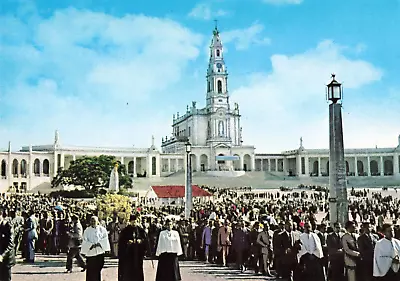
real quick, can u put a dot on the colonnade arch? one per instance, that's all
(360, 167)
(46, 167)
(23, 168)
(247, 162)
(131, 167)
(36, 167)
(374, 168)
(15, 167)
(388, 167)
(3, 168)
(204, 162)
(315, 169)
(236, 163)
(193, 162)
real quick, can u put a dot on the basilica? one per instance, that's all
(217, 149)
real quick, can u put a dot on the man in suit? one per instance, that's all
(322, 238)
(264, 240)
(241, 245)
(366, 245)
(288, 251)
(335, 254)
(277, 251)
(7, 252)
(351, 252)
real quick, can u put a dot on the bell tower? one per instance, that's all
(217, 75)
(217, 101)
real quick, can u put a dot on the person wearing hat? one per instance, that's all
(351, 252)
(133, 245)
(366, 244)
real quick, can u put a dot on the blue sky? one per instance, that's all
(112, 73)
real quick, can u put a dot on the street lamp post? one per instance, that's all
(188, 182)
(338, 204)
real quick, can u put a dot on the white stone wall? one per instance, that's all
(200, 138)
(28, 178)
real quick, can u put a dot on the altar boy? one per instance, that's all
(386, 256)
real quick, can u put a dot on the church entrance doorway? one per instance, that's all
(203, 167)
(221, 161)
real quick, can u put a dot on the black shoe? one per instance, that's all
(83, 269)
(68, 271)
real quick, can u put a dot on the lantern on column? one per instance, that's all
(334, 90)
(188, 147)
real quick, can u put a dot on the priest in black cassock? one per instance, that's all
(133, 245)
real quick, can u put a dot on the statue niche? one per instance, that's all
(221, 129)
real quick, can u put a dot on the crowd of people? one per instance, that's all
(279, 234)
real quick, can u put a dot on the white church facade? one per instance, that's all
(214, 132)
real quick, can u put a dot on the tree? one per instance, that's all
(92, 173)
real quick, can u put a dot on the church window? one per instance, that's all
(218, 53)
(209, 86)
(220, 100)
(219, 86)
(189, 132)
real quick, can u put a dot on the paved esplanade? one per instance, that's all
(52, 268)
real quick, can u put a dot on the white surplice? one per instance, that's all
(310, 244)
(385, 251)
(169, 242)
(94, 235)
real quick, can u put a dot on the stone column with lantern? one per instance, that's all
(338, 204)
(188, 182)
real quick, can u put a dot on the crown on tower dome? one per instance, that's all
(216, 31)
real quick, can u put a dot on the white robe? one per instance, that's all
(114, 180)
(311, 244)
(169, 242)
(94, 235)
(384, 251)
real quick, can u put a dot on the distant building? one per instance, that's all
(215, 133)
(174, 195)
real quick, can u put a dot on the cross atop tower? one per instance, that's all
(216, 32)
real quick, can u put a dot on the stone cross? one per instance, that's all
(301, 141)
(152, 140)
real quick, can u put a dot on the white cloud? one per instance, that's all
(289, 102)
(283, 2)
(93, 76)
(203, 11)
(245, 37)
